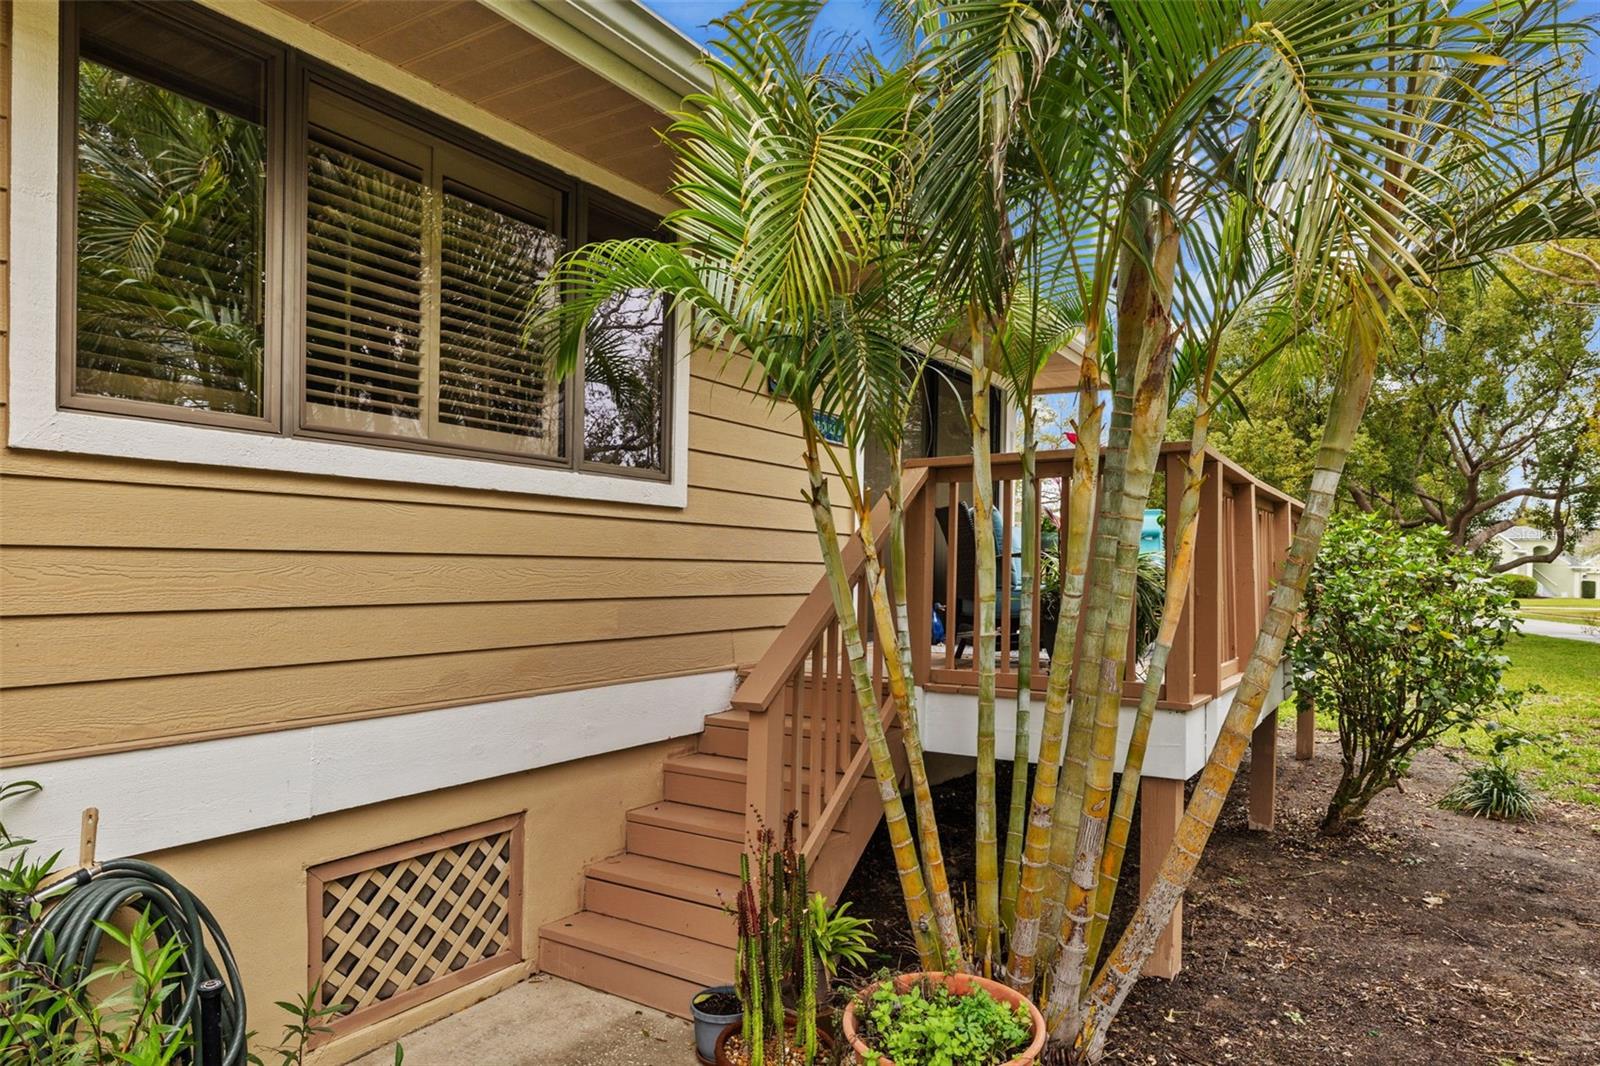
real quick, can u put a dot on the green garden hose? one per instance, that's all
(97, 894)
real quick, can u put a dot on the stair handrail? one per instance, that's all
(776, 670)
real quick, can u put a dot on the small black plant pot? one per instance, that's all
(709, 1025)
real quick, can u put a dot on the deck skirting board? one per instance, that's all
(1180, 741)
(184, 793)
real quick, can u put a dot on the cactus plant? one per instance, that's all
(777, 952)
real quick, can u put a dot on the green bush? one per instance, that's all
(928, 1025)
(1493, 789)
(1523, 588)
(1401, 641)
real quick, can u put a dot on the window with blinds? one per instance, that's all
(302, 255)
(366, 281)
(496, 388)
(422, 265)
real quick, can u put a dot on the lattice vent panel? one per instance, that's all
(407, 923)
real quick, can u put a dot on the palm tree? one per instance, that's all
(1428, 158)
(1182, 167)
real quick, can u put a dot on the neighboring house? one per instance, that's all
(323, 590)
(1566, 575)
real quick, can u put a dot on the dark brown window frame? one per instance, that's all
(290, 75)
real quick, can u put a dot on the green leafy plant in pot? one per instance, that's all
(943, 1019)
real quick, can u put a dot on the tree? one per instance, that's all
(1483, 414)
(1402, 641)
(1484, 408)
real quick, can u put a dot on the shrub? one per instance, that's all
(1493, 789)
(1401, 642)
(1522, 587)
(928, 1025)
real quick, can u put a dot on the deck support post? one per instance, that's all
(1305, 727)
(1160, 811)
(1263, 773)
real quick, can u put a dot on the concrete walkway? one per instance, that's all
(546, 1021)
(1538, 627)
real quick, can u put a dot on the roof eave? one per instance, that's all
(621, 40)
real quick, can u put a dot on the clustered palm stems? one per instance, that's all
(1130, 180)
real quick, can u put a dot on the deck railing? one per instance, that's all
(805, 747)
(1243, 536)
(806, 752)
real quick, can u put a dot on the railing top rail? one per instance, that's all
(791, 647)
(1006, 465)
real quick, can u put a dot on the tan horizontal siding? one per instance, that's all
(54, 581)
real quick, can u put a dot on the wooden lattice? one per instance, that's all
(406, 923)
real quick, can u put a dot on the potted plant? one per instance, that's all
(943, 1019)
(776, 964)
(714, 1009)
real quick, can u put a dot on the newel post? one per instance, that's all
(764, 767)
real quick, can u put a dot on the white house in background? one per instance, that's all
(1565, 575)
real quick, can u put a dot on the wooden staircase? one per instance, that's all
(654, 928)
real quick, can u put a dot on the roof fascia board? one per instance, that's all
(621, 40)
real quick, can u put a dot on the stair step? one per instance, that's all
(664, 895)
(687, 835)
(650, 966)
(689, 883)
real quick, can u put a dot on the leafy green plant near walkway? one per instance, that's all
(1403, 640)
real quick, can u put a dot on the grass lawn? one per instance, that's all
(1568, 709)
(1581, 612)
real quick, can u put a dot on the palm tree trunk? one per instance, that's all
(912, 886)
(1177, 591)
(986, 924)
(1133, 299)
(1078, 519)
(1149, 425)
(1015, 822)
(1177, 869)
(902, 692)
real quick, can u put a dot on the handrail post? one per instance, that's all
(764, 768)
(1180, 660)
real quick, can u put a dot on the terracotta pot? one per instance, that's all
(961, 984)
(824, 1041)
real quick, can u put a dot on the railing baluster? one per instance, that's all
(952, 535)
(818, 721)
(1002, 578)
(1179, 685)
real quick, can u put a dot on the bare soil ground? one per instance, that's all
(1427, 937)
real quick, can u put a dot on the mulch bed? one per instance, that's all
(1426, 937)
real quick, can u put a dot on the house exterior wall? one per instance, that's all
(338, 664)
(154, 603)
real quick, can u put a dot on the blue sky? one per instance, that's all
(853, 18)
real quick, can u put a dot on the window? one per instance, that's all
(171, 210)
(624, 365)
(262, 244)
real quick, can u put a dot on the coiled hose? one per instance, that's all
(97, 894)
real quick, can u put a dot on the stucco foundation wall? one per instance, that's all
(256, 882)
